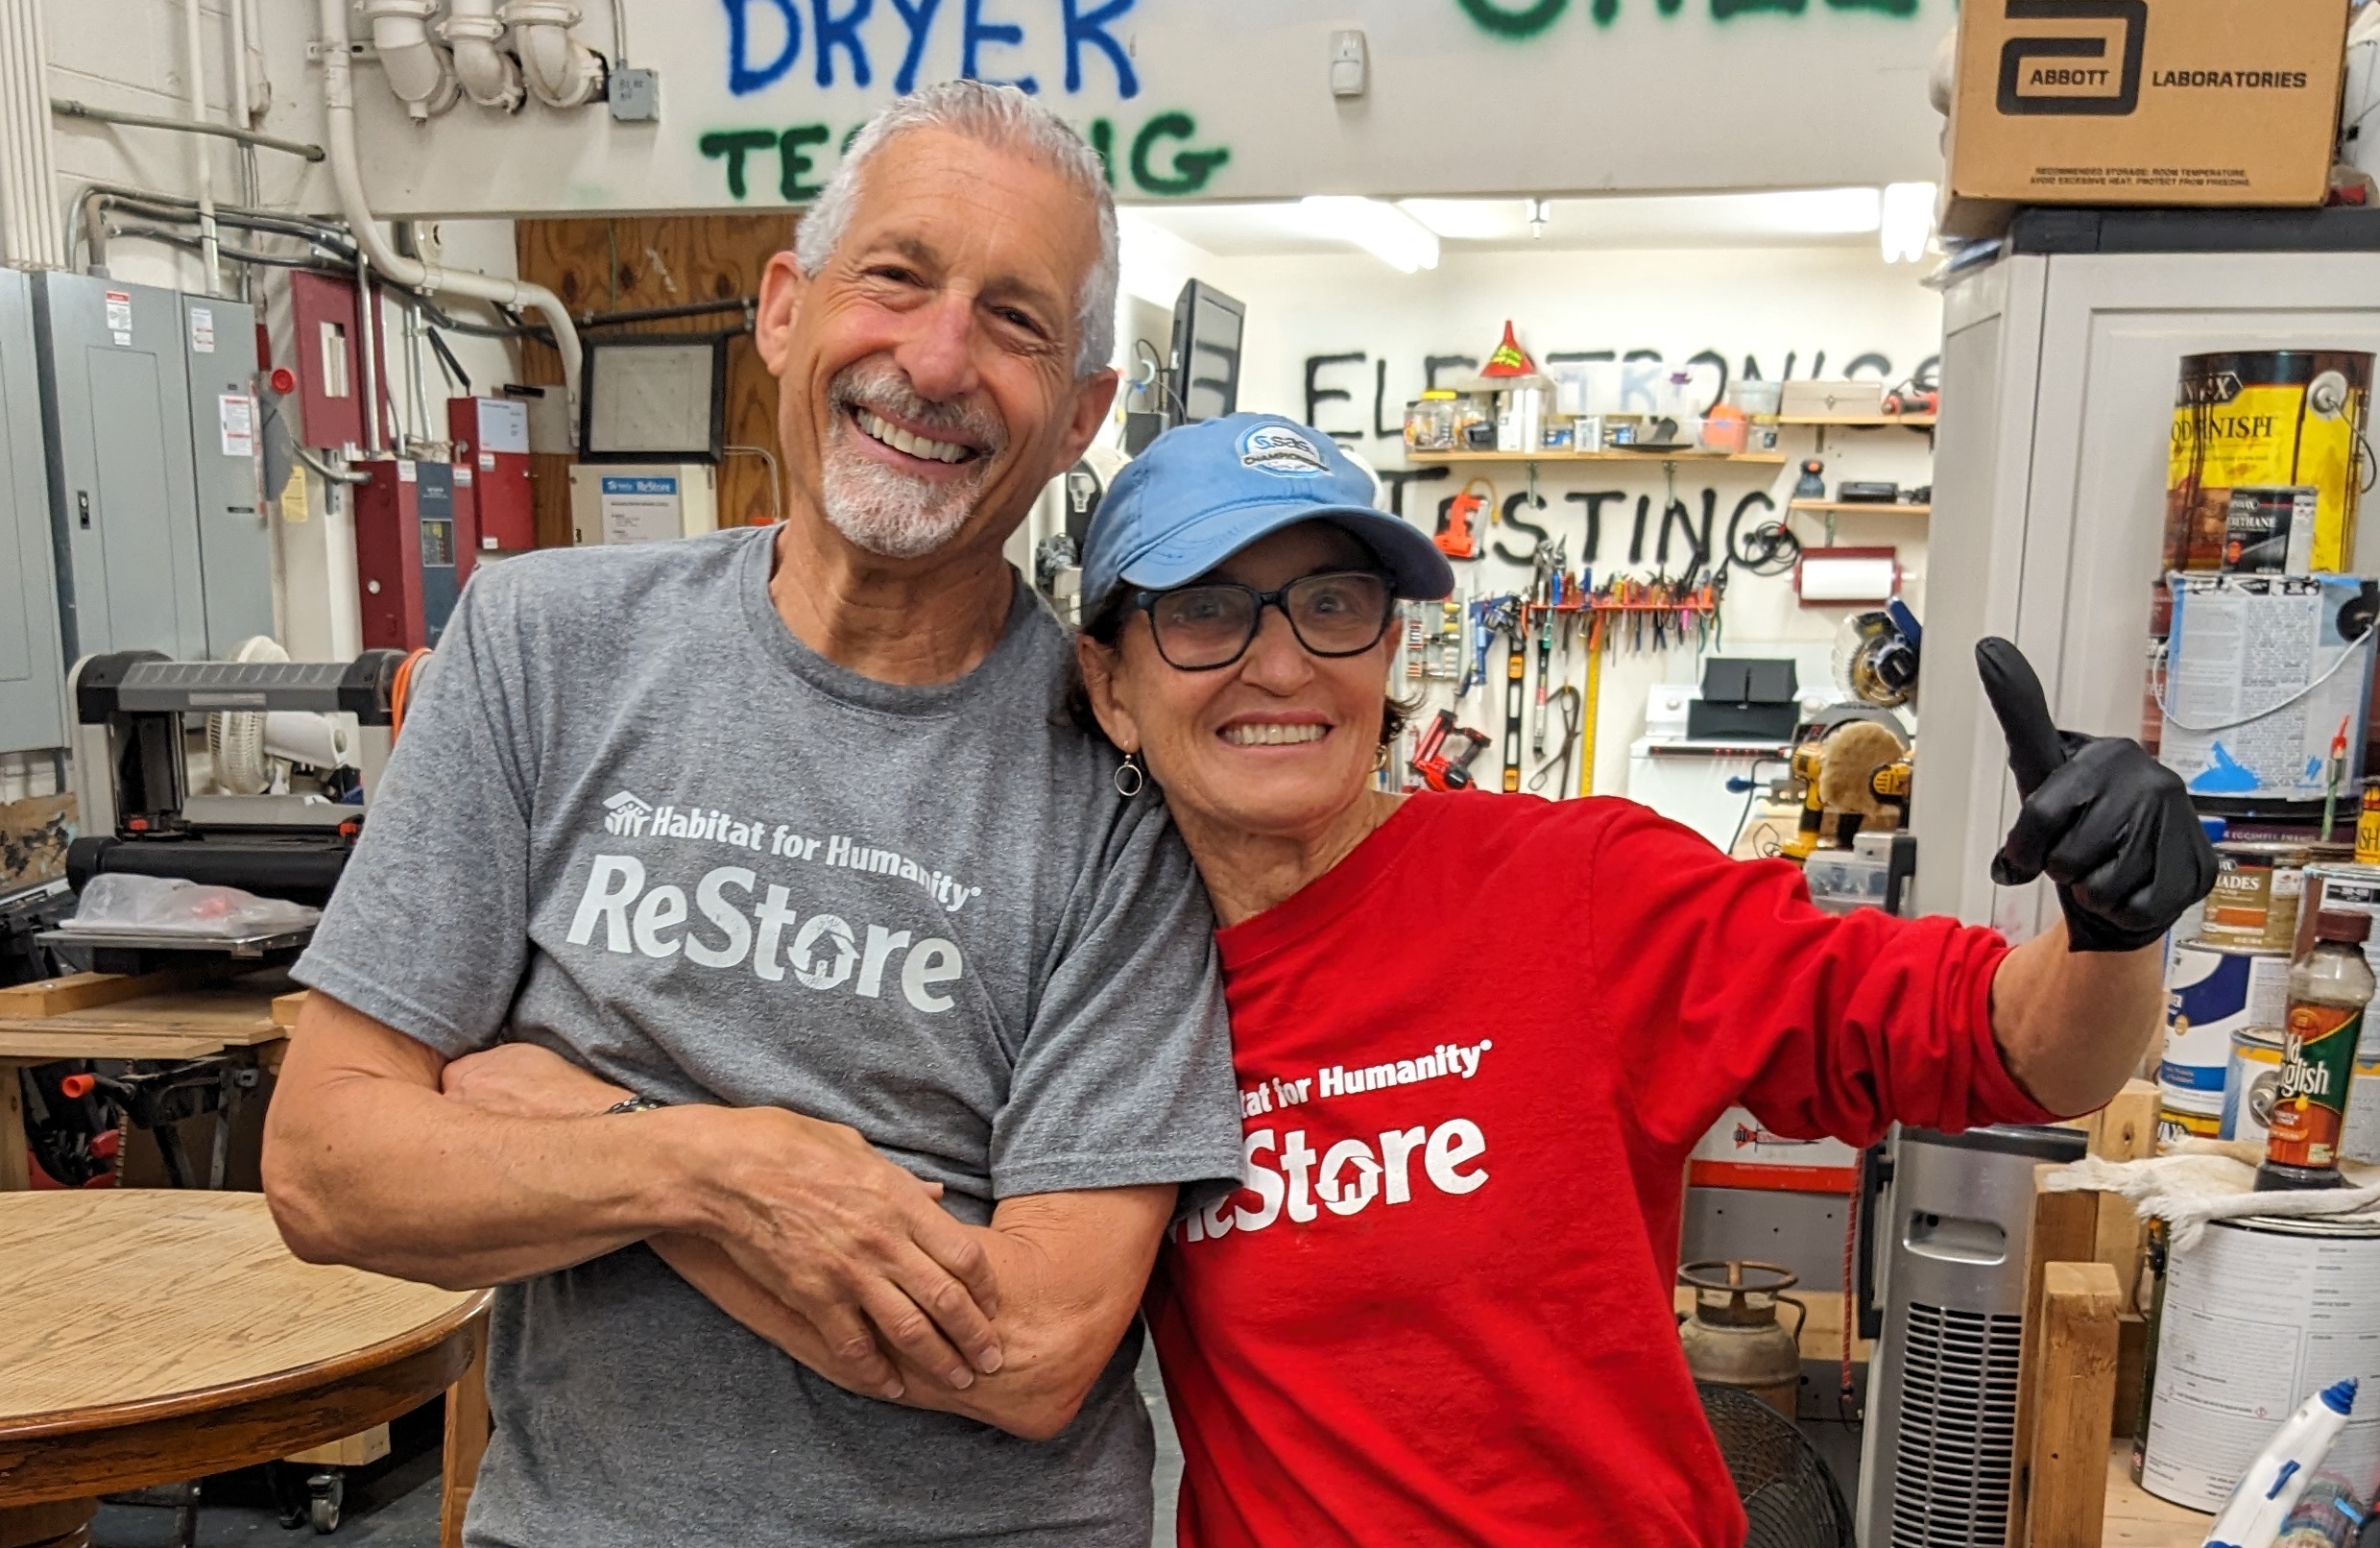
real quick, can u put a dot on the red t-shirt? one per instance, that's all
(1473, 1059)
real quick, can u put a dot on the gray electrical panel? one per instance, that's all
(235, 553)
(33, 692)
(115, 401)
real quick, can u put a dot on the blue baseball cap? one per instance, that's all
(1201, 492)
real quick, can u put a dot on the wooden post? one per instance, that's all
(15, 1162)
(2077, 1372)
(466, 1439)
(2065, 1229)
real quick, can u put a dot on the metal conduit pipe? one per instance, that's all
(339, 123)
(197, 66)
(367, 350)
(68, 107)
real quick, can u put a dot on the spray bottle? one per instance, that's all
(2251, 1518)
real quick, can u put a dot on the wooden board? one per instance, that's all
(634, 263)
(82, 991)
(469, 1429)
(2065, 1229)
(2136, 1518)
(285, 1007)
(16, 1163)
(2066, 1473)
(1615, 454)
(125, 1304)
(359, 1450)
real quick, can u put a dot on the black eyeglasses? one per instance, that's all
(1207, 627)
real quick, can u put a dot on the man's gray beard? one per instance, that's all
(885, 510)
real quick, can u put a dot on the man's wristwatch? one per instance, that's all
(635, 1105)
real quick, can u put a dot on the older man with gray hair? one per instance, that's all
(745, 959)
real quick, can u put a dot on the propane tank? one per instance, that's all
(1733, 1338)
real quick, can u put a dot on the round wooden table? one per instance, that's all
(155, 1335)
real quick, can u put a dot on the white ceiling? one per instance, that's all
(1827, 217)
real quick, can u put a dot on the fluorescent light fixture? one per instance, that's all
(1470, 220)
(1389, 233)
(1908, 221)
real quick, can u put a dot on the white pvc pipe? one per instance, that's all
(560, 71)
(489, 76)
(339, 140)
(400, 32)
(209, 245)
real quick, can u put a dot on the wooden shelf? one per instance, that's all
(1772, 459)
(1856, 508)
(1860, 421)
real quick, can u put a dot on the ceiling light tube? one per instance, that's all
(1389, 233)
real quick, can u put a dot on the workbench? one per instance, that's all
(155, 1335)
(103, 1016)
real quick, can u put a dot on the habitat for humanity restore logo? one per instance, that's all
(629, 815)
(748, 919)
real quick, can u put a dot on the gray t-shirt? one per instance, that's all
(631, 817)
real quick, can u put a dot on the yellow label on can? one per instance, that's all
(2367, 828)
(2265, 436)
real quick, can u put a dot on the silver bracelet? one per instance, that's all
(635, 1105)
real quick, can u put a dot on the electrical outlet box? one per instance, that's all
(1350, 63)
(32, 675)
(636, 95)
(491, 438)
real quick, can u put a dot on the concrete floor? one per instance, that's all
(394, 1504)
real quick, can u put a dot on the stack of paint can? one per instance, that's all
(2228, 984)
(2252, 1078)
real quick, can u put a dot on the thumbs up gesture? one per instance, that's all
(2106, 822)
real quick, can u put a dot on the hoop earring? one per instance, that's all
(1129, 787)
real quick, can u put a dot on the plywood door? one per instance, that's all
(632, 263)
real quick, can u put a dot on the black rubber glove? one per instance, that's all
(2108, 823)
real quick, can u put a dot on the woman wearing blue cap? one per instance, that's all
(1477, 1037)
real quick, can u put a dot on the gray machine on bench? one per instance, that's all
(140, 816)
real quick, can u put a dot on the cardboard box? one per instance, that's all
(1833, 399)
(2142, 102)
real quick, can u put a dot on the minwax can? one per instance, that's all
(2368, 826)
(2254, 903)
(2273, 422)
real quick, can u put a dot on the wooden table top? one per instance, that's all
(118, 1307)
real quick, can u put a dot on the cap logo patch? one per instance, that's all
(1279, 451)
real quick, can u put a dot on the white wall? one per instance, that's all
(1666, 94)
(1769, 304)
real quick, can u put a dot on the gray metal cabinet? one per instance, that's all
(116, 406)
(31, 674)
(236, 557)
(2058, 376)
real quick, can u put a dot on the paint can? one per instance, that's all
(2258, 1316)
(2211, 993)
(2250, 1084)
(2187, 1121)
(2270, 530)
(2257, 887)
(2253, 1083)
(2266, 421)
